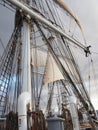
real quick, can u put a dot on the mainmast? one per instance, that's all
(24, 101)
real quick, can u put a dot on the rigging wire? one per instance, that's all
(66, 53)
(89, 75)
(70, 70)
(8, 57)
(94, 75)
(50, 11)
(8, 7)
(64, 72)
(33, 76)
(93, 79)
(57, 16)
(16, 65)
(2, 47)
(82, 86)
(42, 81)
(38, 79)
(2, 44)
(62, 55)
(58, 62)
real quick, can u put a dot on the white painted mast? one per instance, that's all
(26, 59)
(25, 97)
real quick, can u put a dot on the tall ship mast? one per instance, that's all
(41, 86)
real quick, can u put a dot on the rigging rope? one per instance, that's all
(2, 47)
(2, 44)
(94, 75)
(65, 74)
(62, 4)
(7, 5)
